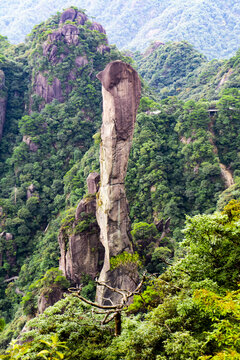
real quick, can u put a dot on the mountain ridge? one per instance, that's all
(211, 26)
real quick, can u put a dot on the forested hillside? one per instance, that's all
(211, 26)
(182, 184)
(177, 69)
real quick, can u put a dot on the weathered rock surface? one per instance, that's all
(81, 250)
(93, 182)
(98, 27)
(121, 89)
(3, 102)
(32, 146)
(48, 91)
(73, 15)
(49, 299)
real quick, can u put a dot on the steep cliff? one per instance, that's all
(81, 250)
(121, 89)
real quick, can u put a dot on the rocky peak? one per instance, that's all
(73, 15)
(57, 48)
(121, 89)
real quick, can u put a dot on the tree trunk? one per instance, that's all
(118, 323)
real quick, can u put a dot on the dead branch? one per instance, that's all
(111, 311)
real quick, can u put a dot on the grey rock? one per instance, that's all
(93, 182)
(98, 27)
(69, 14)
(121, 89)
(81, 250)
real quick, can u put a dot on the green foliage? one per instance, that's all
(225, 314)
(17, 351)
(212, 27)
(126, 260)
(70, 324)
(167, 68)
(52, 279)
(53, 353)
(178, 69)
(212, 246)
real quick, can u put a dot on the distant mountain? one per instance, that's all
(177, 69)
(212, 26)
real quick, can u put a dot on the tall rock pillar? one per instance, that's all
(121, 90)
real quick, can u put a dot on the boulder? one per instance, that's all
(69, 14)
(103, 48)
(98, 27)
(93, 182)
(30, 191)
(81, 18)
(81, 61)
(73, 15)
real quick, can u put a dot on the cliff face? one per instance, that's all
(3, 102)
(121, 89)
(81, 251)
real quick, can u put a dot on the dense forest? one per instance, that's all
(182, 184)
(212, 26)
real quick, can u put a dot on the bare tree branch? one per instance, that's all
(111, 311)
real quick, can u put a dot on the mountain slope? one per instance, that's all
(177, 69)
(213, 27)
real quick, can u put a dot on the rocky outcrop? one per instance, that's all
(226, 175)
(121, 89)
(47, 91)
(81, 250)
(103, 48)
(49, 298)
(98, 27)
(73, 15)
(56, 48)
(93, 182)
(152, 48)
(3, 102)
(32, 146)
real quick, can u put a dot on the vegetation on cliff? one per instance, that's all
(184, 161)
